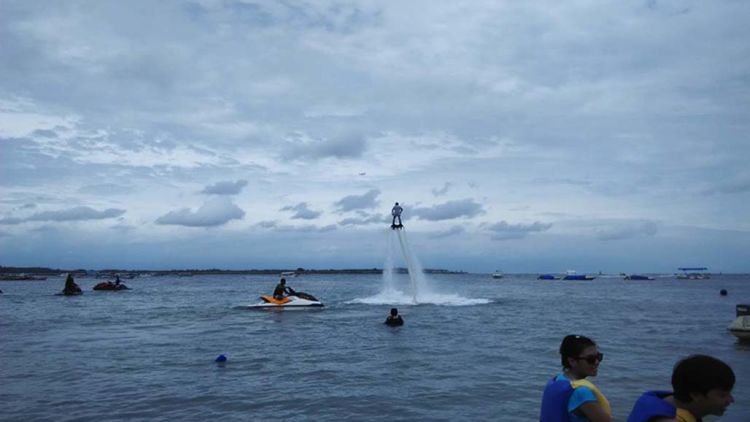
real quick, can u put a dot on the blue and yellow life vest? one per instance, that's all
(557, 394)
(650, 405)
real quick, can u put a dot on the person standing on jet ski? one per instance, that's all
(281, 289)
(396, 213)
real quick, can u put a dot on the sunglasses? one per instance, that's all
(593, 358)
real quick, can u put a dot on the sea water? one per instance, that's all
(472, 348)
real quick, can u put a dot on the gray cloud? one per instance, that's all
(285, 228)
(443, 190)
(367, 200)
(738, 185)
(364, 220)
(225, 188)
(72, 214)
(505, 231)
(623, 117)
(455, 230)
(45, 133)
(449, 210)
(302, 212)
(105, 189)
(627, 230)
(349, 145)
(212, 213)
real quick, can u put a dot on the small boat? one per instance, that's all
(572, 275)
(693, 273)
(295, 300)
(497, 274)
(638, 277)
(287, 274)
(740, 327)
(547, 277)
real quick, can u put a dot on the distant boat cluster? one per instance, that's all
(686, 273)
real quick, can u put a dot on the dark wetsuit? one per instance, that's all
(394, 321)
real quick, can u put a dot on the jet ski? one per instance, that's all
(295, 300)
(740, 327)
(108, 285)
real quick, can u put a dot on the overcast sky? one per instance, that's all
(521, 136)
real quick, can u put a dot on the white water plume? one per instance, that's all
(418, 290)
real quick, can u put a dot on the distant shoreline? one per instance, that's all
(44, 271)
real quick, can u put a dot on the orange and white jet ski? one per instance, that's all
(295, 300)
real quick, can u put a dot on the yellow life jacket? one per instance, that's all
(603, 402)
(684, 416)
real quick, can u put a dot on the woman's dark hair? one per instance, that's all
(699, 374)
(572, 346)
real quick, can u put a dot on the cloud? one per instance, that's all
(505, 231)
(735, 185)
(367, 200)
(449, 210)
(627, 230)
(365, 220)
(225, 188)
(443, 190)
(106, 189)
(72, 214)
(212, 213)
(45, 133)
(302, 212)
(455, 230)
(284, 228)
(342, 146)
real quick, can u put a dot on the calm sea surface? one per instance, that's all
(482, 350)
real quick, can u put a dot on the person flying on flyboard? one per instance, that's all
(396, 213)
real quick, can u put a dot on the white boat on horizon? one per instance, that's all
(693, 273)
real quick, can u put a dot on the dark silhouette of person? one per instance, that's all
(71, 288)
(396, 213)
(281, 289)
(394, 319)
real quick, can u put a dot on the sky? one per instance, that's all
(518, 136)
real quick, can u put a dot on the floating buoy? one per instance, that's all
(221, 358)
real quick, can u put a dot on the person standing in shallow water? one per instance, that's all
(702, 386)
(569, 396)
(394, 319)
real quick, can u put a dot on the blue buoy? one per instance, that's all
(221, 358)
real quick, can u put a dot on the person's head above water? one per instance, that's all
(394, 312)
(396, 203)
(282, 281)
(705, 382)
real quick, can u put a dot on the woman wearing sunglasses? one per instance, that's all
(570, 397)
